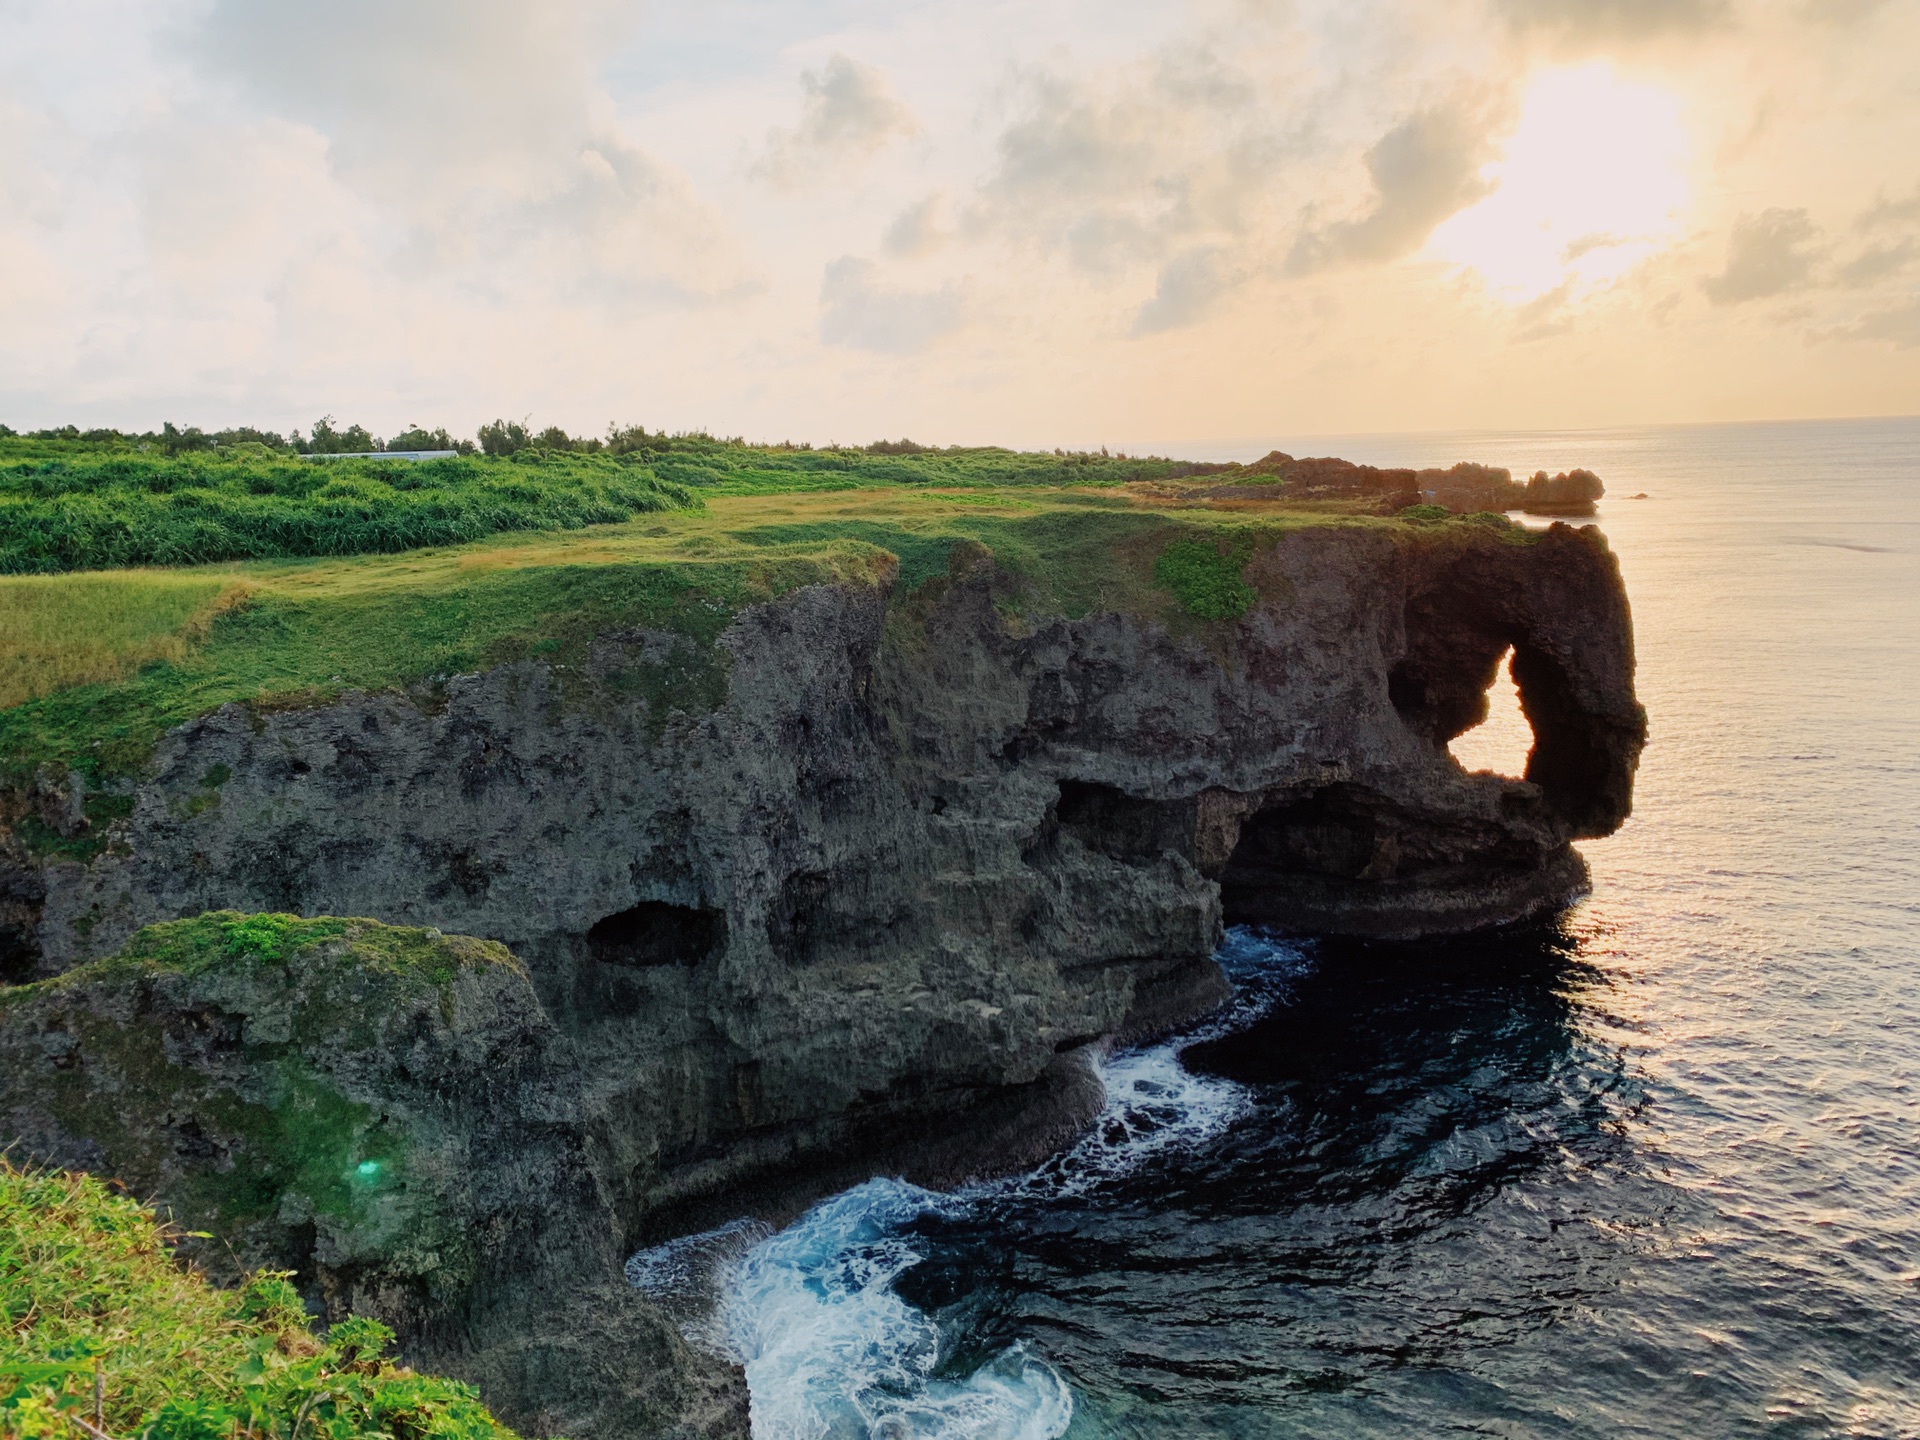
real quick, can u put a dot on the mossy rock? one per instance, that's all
(301, 1088)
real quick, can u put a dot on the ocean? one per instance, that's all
(1650, 1167)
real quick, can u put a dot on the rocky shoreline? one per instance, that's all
(860, 908)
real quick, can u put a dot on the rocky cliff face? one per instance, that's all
(894, 876)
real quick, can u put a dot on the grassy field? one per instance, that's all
(102, 1332)
(73, 504)
(103, 510)
(96, 665)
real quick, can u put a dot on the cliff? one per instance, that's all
(870, 861)
(1465, 488)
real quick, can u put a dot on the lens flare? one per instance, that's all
(1592, 181)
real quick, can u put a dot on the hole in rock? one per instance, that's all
(19, 953)
(1332, 833)
(1501, 742)
(656, 933)
(1106, 819)
(1308, 858)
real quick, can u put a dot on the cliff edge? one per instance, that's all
(871, 860)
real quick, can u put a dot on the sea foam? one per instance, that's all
(830, 1349)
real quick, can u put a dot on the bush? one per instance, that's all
(118, 509)
(1205, 579)
(91, 1296)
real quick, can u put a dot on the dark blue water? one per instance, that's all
(1649, 1168)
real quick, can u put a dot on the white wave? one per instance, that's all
(810, 1312)
(831, 1350)
(687, 1274)
(1155, 1106)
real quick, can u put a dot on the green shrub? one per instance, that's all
(1205, 577)
(91, 1295)
(92, 511)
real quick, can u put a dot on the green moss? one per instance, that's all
(89, 1287)
(214, 940)
(335, 984)
(43, 842)
(1205, 576)
(229, 940)
(102, 809)
(295, 1134)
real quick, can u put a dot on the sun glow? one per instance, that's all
(1591, 182)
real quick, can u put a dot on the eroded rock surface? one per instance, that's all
(926, 851)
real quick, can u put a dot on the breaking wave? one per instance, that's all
(831, 1349)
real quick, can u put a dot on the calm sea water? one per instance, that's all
(1650, 1168)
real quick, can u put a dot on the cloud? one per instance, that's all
(1192, 285)
(1545, 316)
(1126, 173)
(849, 113)
(862, 313)
(920, 229)
(1884, 213)
(480, 130)
(447, 209)
(1424, 169)
(422, 98)
(1880, 262)
(1838, 14)
(1769, 254)
(1600, 20)
(1900, 326)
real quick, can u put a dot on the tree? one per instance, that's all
(504, 437)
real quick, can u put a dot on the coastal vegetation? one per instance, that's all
(103, 500)
(104, 1333)
(103, 511)
(165, 576)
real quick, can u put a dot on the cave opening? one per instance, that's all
(1502, 741)
(1445, 679)
(1120, 826)
(656, 933)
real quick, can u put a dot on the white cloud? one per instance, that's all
(1899, 325)
(848, 113)
(1886, 212)
(920, 229)
(1770, 254)
(1603, 20)
(1425, 169)
(1878, 263)
(1126, 174)
(1191, 286)
(440, 210)
(478, 126)
(859, 310)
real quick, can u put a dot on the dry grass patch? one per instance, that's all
(57, 632)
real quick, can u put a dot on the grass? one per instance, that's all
(98, 627)
(114, 507)
(104, 1333)
(76, 504)
(97, 666)
(1206, 576)
(230, 941)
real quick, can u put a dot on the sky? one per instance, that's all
(1138, 223)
